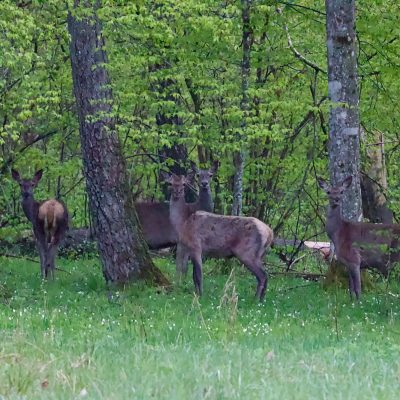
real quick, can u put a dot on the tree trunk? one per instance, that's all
(344, 146)
(239, 156)
(374, 183)
(123, 252)
(167, 90)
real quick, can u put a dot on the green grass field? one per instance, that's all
(67, 340)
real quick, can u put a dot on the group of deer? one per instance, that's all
(191, 226)
(198, 232)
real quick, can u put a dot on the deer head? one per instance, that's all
(27, 185)
(204, 176)
(335, 193)
(177, 184)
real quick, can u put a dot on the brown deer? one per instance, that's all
(359, 244)
(49, 220)
(203, 178)
(203, 233)
(157, 229)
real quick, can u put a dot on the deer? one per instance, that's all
(157, 229)
(203, 178)
(219, 236)
(49, 219)
(358, 244)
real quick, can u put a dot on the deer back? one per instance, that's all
(157, 229)
(378, 244)
(223, 236)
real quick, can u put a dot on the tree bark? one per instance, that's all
(344, 146)
(167, 90)
(239, 156)
(123, 252)
(374, 183)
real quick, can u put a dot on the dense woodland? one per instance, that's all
(284, 107)
(180, 92)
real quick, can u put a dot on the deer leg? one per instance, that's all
(262, 281)
(50, 260)
(52, 252)
(42, 257)
(185, 263)
(182, 259)
(355, 281)
(197, 274)
(256, 268)
(264, 285)
(351, 286)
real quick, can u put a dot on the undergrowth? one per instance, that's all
(73, 338)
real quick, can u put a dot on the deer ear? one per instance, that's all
(214, 167)
(37, 177)
(165, 176)
(193, 166)
(347, 182)
(322, 183)
(15, 175)
(190, 177)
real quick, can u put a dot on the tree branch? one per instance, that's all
(300, 56)
(11, 159)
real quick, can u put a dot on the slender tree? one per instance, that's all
(239, 156)
(344, 145)
(122, 249)
(168, 92)
(374, 183)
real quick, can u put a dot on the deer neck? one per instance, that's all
(178, 213)
(334, 221)
(205, 200)
(30, 207)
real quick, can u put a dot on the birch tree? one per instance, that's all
(239, 156)
(344, 145)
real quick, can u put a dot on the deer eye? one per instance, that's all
(328, 192)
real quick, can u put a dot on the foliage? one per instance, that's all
(69, 339)
(182, 59)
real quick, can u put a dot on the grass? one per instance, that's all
(69, 340)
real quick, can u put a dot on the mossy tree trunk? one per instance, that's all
(123, 252)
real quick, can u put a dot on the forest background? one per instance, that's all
(182, 60)
(177, 84)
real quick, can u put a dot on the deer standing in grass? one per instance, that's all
(158, 231)
(49, 220)
(359, 244)
(203, 233)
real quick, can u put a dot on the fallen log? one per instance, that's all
(323, 247)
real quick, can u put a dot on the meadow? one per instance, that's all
(72, 338)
